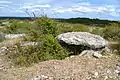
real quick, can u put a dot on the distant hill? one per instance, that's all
(21, 18)
(88, 21)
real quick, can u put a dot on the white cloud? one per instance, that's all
(36, 8)
(1, 7)
(46, 5)
(44, 1)
(17, 11)
(32, 6)
(3, 2)
(84, 3)
(53, 7)
(26, 7)
(63, 10)
(88, 8)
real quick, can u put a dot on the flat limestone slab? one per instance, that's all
(83, 38)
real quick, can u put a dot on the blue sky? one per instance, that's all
(103, 9)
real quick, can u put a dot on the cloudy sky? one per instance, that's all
(103, 9)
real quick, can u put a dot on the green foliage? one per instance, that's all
(67, 27)
(17, 26)
(47, 26)
(52, 46)
(12, 28)
(33, 35)
(44, 30)
(116, 47)
(112, 32)
(97, 30)
(25, 56)
(48, 49)
(41, 27)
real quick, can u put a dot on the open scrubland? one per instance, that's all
(30, 50)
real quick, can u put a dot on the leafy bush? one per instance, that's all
(52, 46)
(41, 27)
(47, 26)
(48, 49)
(43, 31)
(11, 28)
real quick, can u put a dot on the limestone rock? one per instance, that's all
(27, 43)
(93, 53)
(83, 38)
(11, 36)
(97, 55)
(42, 77)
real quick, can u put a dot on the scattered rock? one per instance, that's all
(87, 53)
(106, 77)
(112, 74)
(106, 50)
(97, 55)
(95, 75)
(3, 49)
(27, 43)
(91, 53)
(11, 36)
(117, 69)
(42, 77)
(72, 56)
(5, 23)
(115, 51)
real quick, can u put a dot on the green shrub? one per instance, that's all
(41, 27)
(11, 28)
(48, 49)
(52, 46)
(33, 35)
(47, 26)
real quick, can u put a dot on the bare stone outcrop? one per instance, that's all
(84, 42)
(83, 38)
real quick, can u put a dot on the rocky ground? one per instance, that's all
(73, 68)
